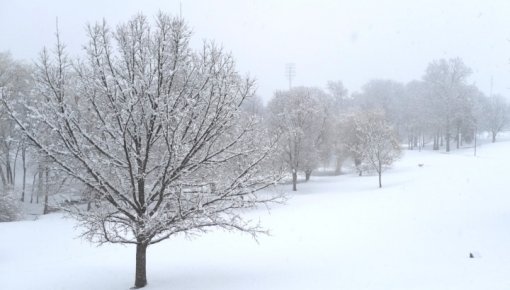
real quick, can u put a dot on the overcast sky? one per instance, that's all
(351, 41)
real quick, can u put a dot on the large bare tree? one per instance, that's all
(154, 130)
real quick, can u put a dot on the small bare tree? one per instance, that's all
(154, 130)
(498, 115)
(378, 146)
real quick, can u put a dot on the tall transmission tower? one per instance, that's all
(290, 72)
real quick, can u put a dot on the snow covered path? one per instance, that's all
(336, 233)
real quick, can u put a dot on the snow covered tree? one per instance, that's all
(299, 117)
(254, 106)
(378, 145)
(383, 95)
(154, 130)
(338, 108)
(446, 80)
(497, 115)
(479, 112)
(341, 139)
(414, 115)
(347, 140)
(15, 83)
(339, 94)
(9, 206)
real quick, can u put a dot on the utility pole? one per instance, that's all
(290, 72)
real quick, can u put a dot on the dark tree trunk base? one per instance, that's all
(379, 172)
(141, 272)
(308, 173)
(338, 167)
(294, 181)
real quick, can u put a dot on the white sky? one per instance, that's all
(352, 41)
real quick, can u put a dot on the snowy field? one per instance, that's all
(417, 232)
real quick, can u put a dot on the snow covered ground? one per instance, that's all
(417, 232)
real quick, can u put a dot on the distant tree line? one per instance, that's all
(318, 127)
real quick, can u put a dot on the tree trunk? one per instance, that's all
(46, 191)
(308, 173)
(357, 163)
(39, 184)
(447, 141)
(8, 169)
(458, 137)
(141, 265)
(33, 189)
(15, 162)
(494, 137)
(2, 176)
(23, 160)
(380, 173)
(435, 146)
(338, 167)
(447, 135)
(294, 181)
(474, 137)
(46, 209)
